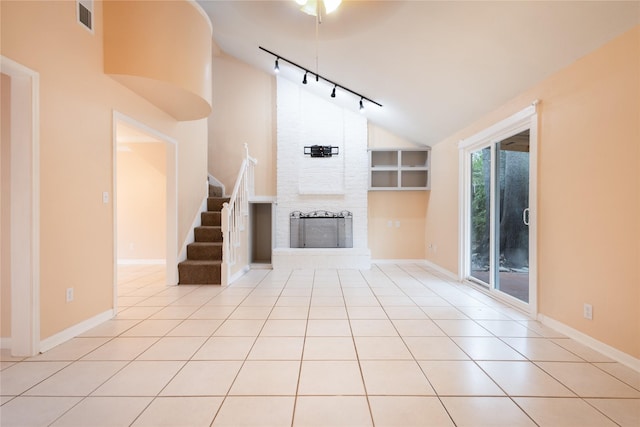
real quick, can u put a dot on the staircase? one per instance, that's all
(204, 256)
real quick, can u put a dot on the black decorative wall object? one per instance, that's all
(321, 151)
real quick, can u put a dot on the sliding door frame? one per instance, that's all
(520, 121)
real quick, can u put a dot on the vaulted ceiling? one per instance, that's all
(435, 66)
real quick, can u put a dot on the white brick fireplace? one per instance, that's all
(306, 184)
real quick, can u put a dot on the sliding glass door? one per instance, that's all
(498, 232)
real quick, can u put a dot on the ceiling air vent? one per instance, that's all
(85, 13)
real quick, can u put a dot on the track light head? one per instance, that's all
(361, 106)
(333, 92)
(304, 79)
(276, 68)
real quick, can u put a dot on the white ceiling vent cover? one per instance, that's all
(85, 13)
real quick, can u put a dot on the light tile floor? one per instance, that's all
(396, 345)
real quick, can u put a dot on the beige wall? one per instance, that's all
(396, 218)
(244, 111)
(588, 193)
(77, 101)
(142, 201)
(5, 194)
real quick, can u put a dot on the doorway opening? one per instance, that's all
(498, 215)
(145, 201)
(20, 209)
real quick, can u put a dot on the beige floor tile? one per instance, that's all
(459, 378)
(462, 328)
(213, 312)
(71, 350)
(373, 328)
(327, 301)
(145, 378)
(294, 301)
(487, 348)
(524, 379)
(408, 411)
(239, 328)
(357, 301)
(121, 349)
(330, 378)
(563, 412)
(284, 328)
(225, 348)
(359, 313)
(405, 313)
(265, 411)
(140, 313)
(261, 378)
(444, 313)
(417, 328)
(507, 328)
(328, 328)
(203, 378)
(77, 379)
(541, 329)
(251, 313)
(335, 411)
(392, 377)
(325, 312)
(110, 328)
(35, 411)
(179, 412)
(104, 412)
(581, 350)
(196, 328)
(587, 380)
(174, 312)
(396, 301)
(225, 299)
(20, 377)
(382, 348)
(486, 411)
(5, 356)
(625, 412)
(329, 348)
(297, 292)
(434, 348)
(157, 301)
(541, 349)
(289, 313)
(152, 328)
(431, 301)
(622, 373)
(173, 348)
(5, 365)
(277, 348)
(480, 312)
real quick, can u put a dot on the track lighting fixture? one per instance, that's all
(318, 77)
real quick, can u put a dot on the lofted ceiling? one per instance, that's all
(435, 66)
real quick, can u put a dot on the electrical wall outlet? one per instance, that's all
(69, 294)
(588, 311)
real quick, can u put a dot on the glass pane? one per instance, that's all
(512, 231)
(480, 213)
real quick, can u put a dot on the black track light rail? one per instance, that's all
(318, 76)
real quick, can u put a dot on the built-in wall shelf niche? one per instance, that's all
(399, 169)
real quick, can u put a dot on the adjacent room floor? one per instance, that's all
(396, 345)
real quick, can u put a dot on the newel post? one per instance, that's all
(224, 268)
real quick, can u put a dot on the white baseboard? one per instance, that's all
(142, 261)
(5, 343)
(599, 346)
(75, 330)
(238, 274)
(397, 261)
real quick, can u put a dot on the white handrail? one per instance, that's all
(234, 216)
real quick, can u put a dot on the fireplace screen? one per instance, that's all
(321, 229)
